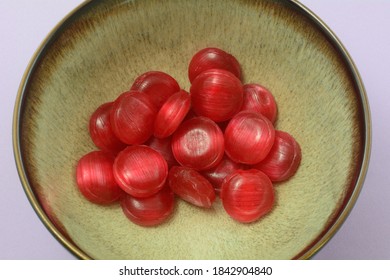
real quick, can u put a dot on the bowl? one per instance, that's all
(97, 51)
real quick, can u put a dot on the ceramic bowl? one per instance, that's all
(95, 54)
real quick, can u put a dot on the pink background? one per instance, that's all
(362, 26)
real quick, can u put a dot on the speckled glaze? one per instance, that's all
(97, 52)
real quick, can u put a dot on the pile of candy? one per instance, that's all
(157, 140)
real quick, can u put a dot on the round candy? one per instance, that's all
(171, 114)
(213, 58)
(217, 174)
(149, 211)
(191, 186)
(132, 117)
(158, 85)
(259, 99)
(101, 132)
(249, 137)
(284, 158)
(95, 178)
(140, 171)
(198, 143)
(163, 146)
(247, 195)
(216, 94)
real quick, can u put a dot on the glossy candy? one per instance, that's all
(217, 139)
(259, 99)
(158, 85)
(163, 146)
(249, 137)
(191, 186)
(101, 132)
(213, 58)
(284, 158)
(217, 174)
(171, 114)
(149, 211)
(95, 178)
(140, 171)
(198, 143)
(132, 117)
(216, 94)
(247, 195)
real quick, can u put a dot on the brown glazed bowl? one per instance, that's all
(102, 46)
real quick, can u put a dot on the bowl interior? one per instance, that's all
(95, 55)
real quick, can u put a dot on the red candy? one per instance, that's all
(171, 114)
(163, 146)
(259, 99)
(284, 158)
(198, 143)
(249, 137)
(191, 186)
(140, 171)
(101, 132)
(217, 174)
(216, 94)
(158, 85)
(158, 140)
(95, 178)
(213, 58)
(247, 195)
(132, 117)
(149, 211)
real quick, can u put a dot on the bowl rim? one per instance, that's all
(307, 252)
(367, 137)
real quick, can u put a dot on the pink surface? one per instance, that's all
(362, 26)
